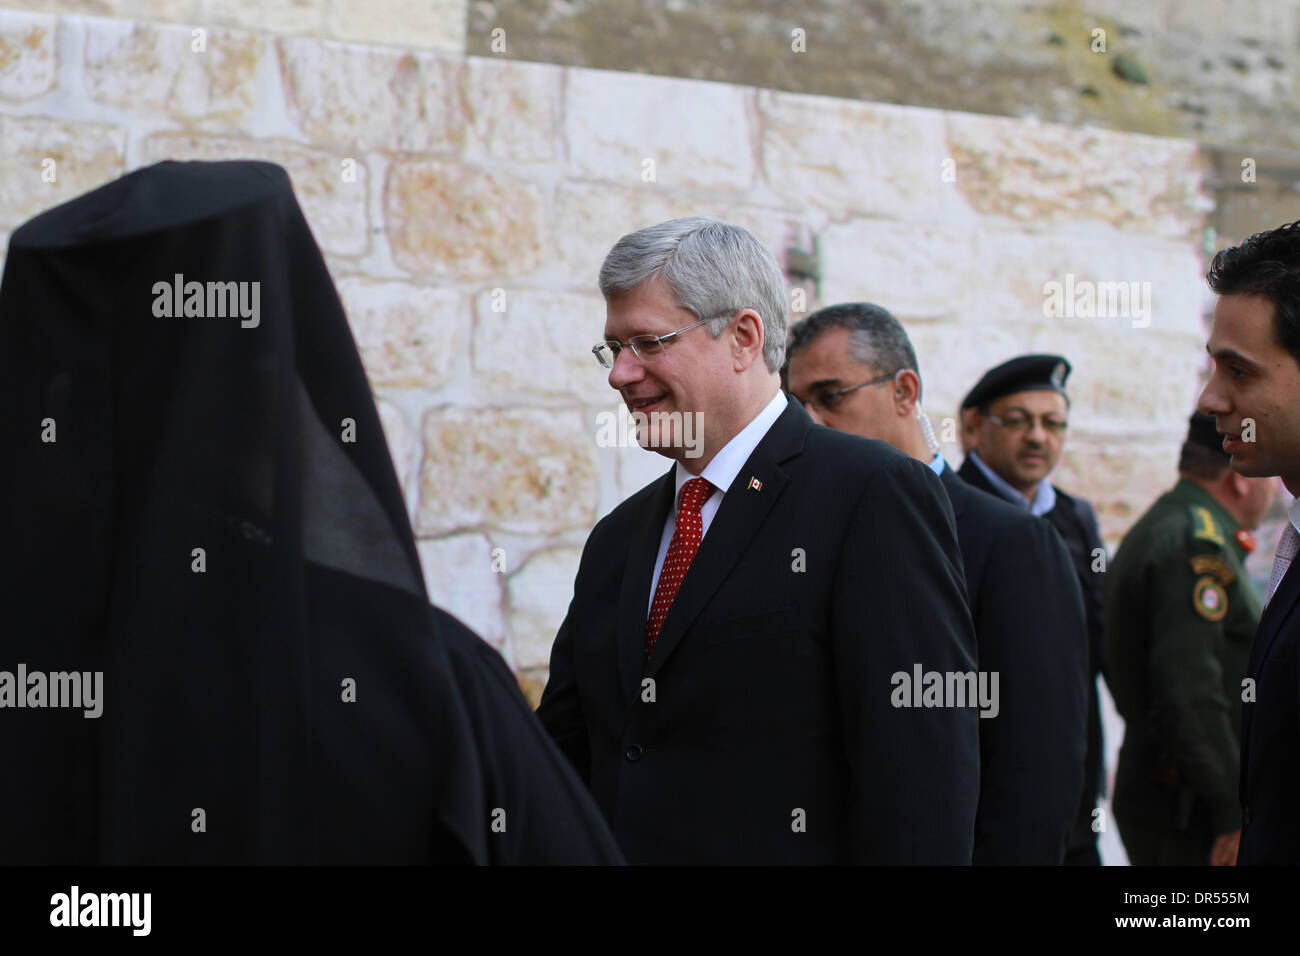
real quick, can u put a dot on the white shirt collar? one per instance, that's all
(1293, 513)
(726, 464)
(937, 464)
(1044, 497)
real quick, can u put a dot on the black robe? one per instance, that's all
(199, 504)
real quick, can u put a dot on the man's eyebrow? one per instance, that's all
(1046, 416)
(1232, 355)
(824, 383)
(634, 334)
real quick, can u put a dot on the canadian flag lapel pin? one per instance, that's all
(755, 484)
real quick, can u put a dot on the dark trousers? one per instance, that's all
(1085, 855)
(1148, 845)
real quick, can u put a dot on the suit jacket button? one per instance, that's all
(634, 752)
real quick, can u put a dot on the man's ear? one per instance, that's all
(971, 423)
(907, 392)
(746, 339)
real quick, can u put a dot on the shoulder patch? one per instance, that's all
(1203, 526)
(1209, 599)
(1214, 566)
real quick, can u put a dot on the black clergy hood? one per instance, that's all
(199, 504)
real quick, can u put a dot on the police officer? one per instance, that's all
(1180, 612)
(1014, 422)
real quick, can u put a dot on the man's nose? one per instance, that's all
(1211, 402)
(626, 370)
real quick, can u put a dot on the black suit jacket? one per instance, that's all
(1075, 522)
(764, 729)
(1029, 625)
(1270, 735)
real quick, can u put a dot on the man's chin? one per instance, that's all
(1245, 466)
(659, 439)
(667, 451)
(1026, 479)
(669, 432)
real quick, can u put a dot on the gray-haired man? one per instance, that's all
(853, 366)
(734, 678)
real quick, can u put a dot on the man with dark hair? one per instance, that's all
(1180, 613)
(727, 678)
(853, 367)
(1254, 396)
(1015, 418)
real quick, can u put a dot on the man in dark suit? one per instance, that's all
(1254, 396)
(1024, 598)
(788, 694)
(1015, 419)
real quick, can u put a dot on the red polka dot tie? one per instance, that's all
(681, 552)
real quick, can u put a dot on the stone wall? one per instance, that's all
(1218, 71)
(464, 204)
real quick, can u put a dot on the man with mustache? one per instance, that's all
(1254, 396)
(725, 677)
(1016, 420)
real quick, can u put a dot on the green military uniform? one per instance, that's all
(1180, 613)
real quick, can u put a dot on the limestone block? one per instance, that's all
(46, 161)
(28, 56)
(521, 470)
(146, 66)
(1047, 174)
(409, 336)
(512, 110)
(540, 342)
(539, 595)
(698, 135)
(853, 158)
(450, 219)
(371, 96)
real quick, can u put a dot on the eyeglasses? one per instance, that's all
(827, 400)
(641, 345)
(1017, 424)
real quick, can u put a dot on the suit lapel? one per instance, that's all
(634, 598)
(1278, 610)
(956, 493)
(738, 519)
(1270, 625)
(971, 474)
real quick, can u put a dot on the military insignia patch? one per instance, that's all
(1203, 526)
(1213, 565)
(1209, 599)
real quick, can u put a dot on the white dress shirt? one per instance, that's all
(1044, 497)
(720, 472)
(1279, 570)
